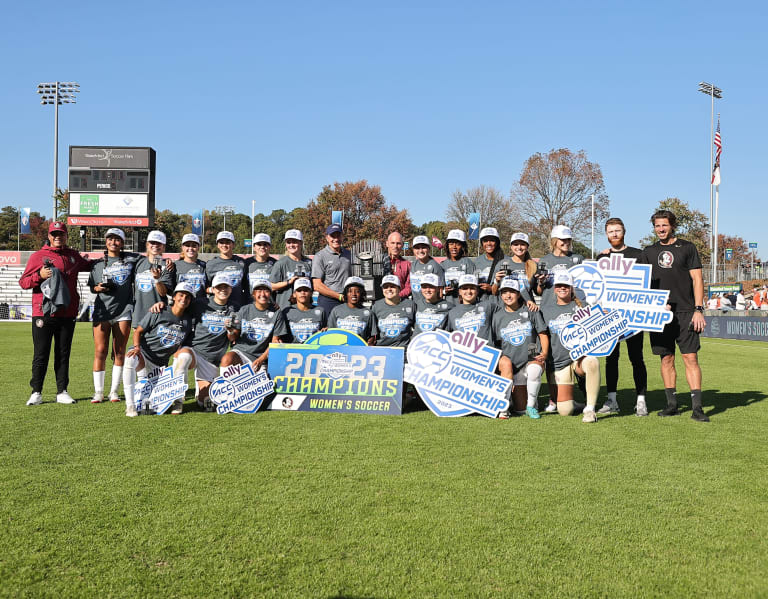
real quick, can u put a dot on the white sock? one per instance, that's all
(117, 376)
(641, 398)
(181, 363)
(612, 396)
(588, 408)
(98, 381)
(129, 380)
(533, 374)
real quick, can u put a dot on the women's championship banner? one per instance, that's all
(348, 379)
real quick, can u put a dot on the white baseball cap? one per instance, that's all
(562, 278)
(220, 278)
(185, 287)
(489, 232)
(115, 232)
(520, 237)
(190, 238)
(261, 283)
(354, 281)
(157, 236)
(262, 238)
(430, 279)
(293, 234)
(468, 279)
(561, 232)
(303, 282)
(509, 283)
(456, 235)
(225, 235)
(420, 240)
(390, 280)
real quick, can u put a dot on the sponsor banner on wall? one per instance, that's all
(107, 221)
(11, 259)
(108, 204)
(746, 328)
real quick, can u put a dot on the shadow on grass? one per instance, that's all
(714, 401)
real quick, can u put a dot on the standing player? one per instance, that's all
(457, 263)
(259, 266)
(154, 277)
(111, 280)
(331, 266)
(394, 315)
(677, 268)
(488, 266)
(189, 269)
(522, 267)
(303, 318)
(424, 264)
(231, 265)
(517, 330)
(614, 230)
(289, 268)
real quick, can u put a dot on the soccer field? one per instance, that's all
(282, 504)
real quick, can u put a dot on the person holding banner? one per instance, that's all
(260, 325)
(394, 315)
(457, 263)
(431, 309)
(471, 314)
(154, 276)
(259, 266)
(519, 332)
(156, 338)
(214, 325)
(522, 267)
(112, 281)
(331, 266)
(231, 265)
(557, 314)
(189, 269)
(488, 266)
(352, 316)
(676, 266)
(424, 264)
(303, 318)
(615, 231)
(290, 268)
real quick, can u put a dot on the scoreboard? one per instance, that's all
(111, 186)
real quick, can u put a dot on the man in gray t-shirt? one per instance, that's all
(331, 267)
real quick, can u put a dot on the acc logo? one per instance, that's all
(156, 393)
(240, 390)
(430, 351)
(336, 366)
(169, 336)
(573, 335)
(144, 281)
(590, 280)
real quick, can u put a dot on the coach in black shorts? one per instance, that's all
(676, 267)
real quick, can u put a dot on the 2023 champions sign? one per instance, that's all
(347, 376)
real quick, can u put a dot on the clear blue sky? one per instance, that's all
(270, 101)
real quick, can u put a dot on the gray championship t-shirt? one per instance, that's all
(553, 264)
(454, 269)
(359, 321)
(332, 268)
(209, 339)
(283, 270)
(192, 273)
(473, 317)
(257, 327)
(259, 271)
(164, 334)
(419, 269)
(556, 317)
(395, 323)
(116, 301)
(144, 291)
(234, 269)
(517, 333)
(430, 317)
(303, 323)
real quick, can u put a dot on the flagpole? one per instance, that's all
(714, 253)
(18, 234)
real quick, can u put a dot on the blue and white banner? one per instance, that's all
(240, 390)
(24, 227)
(454, 374)
(350, 379)
(619, 283)
(337, 218)
(157, 392)
(593, 331)
(474, 225)
(197, 223)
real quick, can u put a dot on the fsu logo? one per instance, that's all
(666, 259)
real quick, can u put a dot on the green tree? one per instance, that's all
(692, 225)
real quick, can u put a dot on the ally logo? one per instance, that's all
(157, 392)
(454, 374)
(240, 390)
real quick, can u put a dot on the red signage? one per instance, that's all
(10, 259)
(108, 221)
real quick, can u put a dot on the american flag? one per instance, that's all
(718, 151)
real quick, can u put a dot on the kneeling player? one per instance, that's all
(516, 328)
(156, 338)
(394, 315)
(557, 314)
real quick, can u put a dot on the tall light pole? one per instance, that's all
(224, 210)
(253, 217)
(713, 92)
(592, 198)
(58, 92)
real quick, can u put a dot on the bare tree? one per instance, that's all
(555, 189)
(495, 210)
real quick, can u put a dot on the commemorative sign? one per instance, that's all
(619, 283)
(155, 393)
(346, 377)
(240, 390)
(592, 331)
(454, 374)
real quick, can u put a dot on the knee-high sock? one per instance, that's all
(591, 368)
(117, 376)
(181, 364)
(533, 384)
(129, 380)
(98, 381)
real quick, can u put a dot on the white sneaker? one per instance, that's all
(65, 397)
(551, 407)
(35, 399)
(609, 407)
(97, 398)
(130, 411)
(589, 416)
(640, 408)
(178, 408)
(114, 397)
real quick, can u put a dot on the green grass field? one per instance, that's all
(322, 505)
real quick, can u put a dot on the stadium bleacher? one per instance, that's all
(16, 303)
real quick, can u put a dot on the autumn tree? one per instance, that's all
(555, 189)
(741, 252)
(9, 230)
(692, 226)
(495, 210)
(366, 215)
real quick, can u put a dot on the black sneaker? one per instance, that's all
(669, 411)
(699, 416)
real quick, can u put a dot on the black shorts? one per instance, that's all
(678, 331)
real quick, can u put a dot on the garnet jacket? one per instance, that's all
(69, 262)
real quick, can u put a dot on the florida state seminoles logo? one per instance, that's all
(666, 259)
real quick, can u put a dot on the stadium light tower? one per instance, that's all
(58, 92)
(223, 210)
(713, 92)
